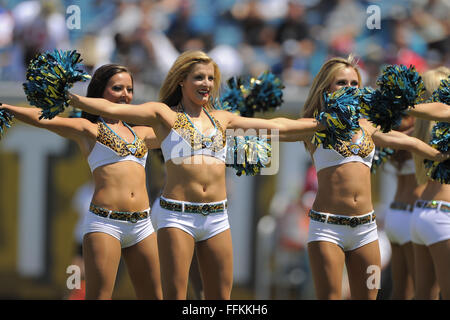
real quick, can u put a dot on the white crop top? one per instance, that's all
(185, 140)
(362, 151)
(111, 148)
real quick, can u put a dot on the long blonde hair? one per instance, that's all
(170, 92)
(422, 128)
(323, 81)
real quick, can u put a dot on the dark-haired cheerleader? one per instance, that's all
(192, 210)
(118, 222)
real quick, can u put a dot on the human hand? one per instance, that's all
(441, 157)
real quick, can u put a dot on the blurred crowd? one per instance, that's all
(292, 38)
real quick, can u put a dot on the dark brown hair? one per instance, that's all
(98, 84)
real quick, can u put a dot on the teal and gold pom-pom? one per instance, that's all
(264, 94)
(399, 88)
(440, 140)
(232, 99)
(376, 107)
(341, 115)
(442, 93)
(380, 157)
(248, 154)
(5, 120)
(49, 77)
(247, 96)
(402, 85)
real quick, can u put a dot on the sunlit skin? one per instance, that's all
(119, 88)
(197, 85)
(344, 78)
(436, 111)
(346, 190)
(344, 194)
(203, 179)
(119, 186)
(196, 179)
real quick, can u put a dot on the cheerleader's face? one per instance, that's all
(346, 77)
(198, 84)
(119, 88)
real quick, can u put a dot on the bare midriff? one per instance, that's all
(344, 190)
(121, 186)
(196, 179)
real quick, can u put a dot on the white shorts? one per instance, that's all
(347, 237)
(199, 226)
(397, 226)
(430, 226)
(127, 233)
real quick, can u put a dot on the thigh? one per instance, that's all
(327, 264)
(408, 253)
(215, 257)
(426, 287)
(195, 287)
(364, 271)
(101, 254)
(142, 261)
(175, 249)
(402, 272)
(440, 253)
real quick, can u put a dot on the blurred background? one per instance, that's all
(44, 180)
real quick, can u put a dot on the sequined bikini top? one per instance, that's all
(362, 151)
(111, 148)
(185, 140)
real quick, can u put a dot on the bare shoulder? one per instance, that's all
(222, 116)
(86, 126)
(221, 113)
(155, 104)
(167, 114)
(158, 107)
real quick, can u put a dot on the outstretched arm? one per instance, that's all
(144, 114)
(397, 140)
(431, 111)
(71, 128)
(288, 129)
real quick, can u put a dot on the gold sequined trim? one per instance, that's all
(363, 149)
(108, 138)
(185, 129)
